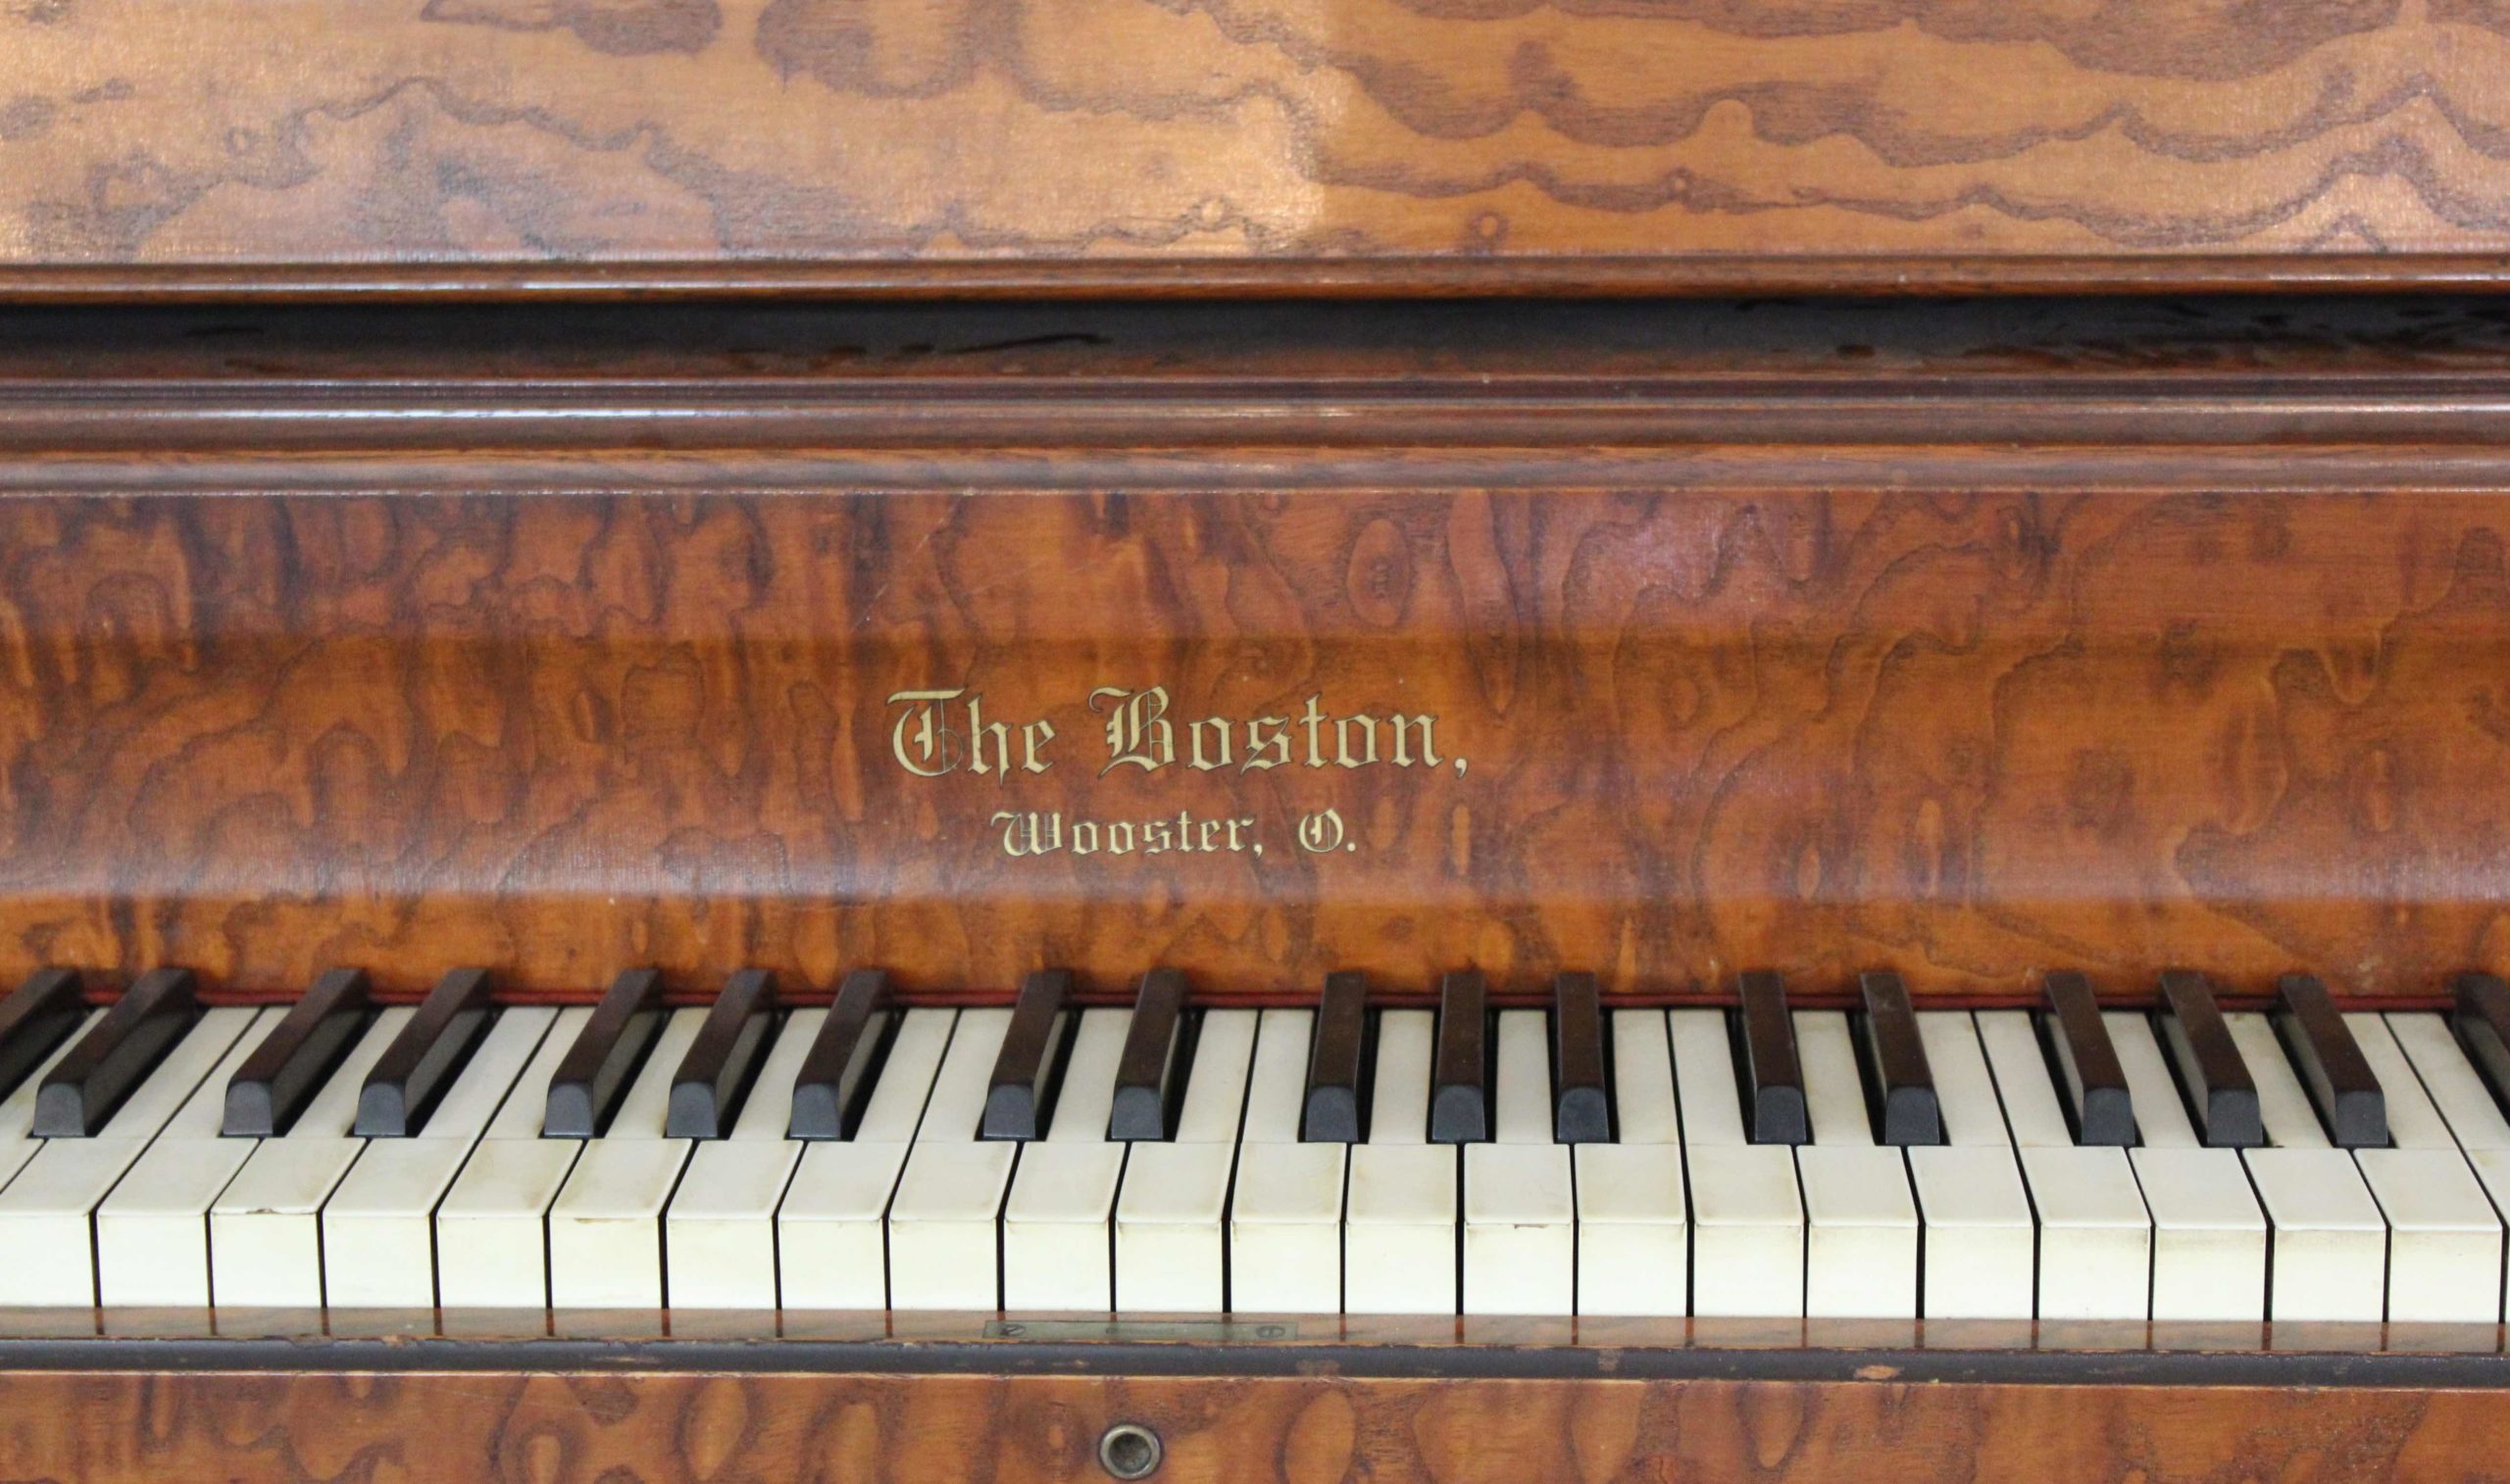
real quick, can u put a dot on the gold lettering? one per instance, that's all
(1029, 833)
(1267, 735)
(1342, 739)
(1313, 718)
(1138, 731)
(922, 741)
(1034, 738)
(1219, 728)
(1428, 740)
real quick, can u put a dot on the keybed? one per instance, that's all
(2178, 1162)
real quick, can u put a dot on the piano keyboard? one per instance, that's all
(2064, 1163)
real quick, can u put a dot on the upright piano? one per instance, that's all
(856, 739)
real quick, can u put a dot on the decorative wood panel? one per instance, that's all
(1122, 146)
(587, 1426)
(1663, 734)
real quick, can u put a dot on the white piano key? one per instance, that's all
(2451, 1081)
(1861, 1222)
(944, 1242)
(379, 1229)
(152, 1232)
(1645, 1109)
(491, 1228)
(1285, 1209)
(2096, 1236)
(17, 1143)
(48, 1213)
(718, 1236)
(1399, 1236)
(1633, 1217)
(1980, 1238)
(265, 1228)
(1171, 1216)
(605, 1227)
(831, 1247)
(1056, 1243)
(2209, 1235)
(1520, 1215)
(2444, 1238)
(2329, 1242)
(1746, 1209)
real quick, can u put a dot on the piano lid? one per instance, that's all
(903, 147)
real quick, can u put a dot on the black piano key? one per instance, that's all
(836, 1079)
(2483, 1024)
(91, 1080)
(1460, 1078)
(2219, 1091)
(1336, 1062)
(1773, 1078)
(1022, 1089)
(2094, 1083)
(405, 1084)
(37, 1017)
(706, 1091)
(1582, 1103)
(283, 1074)
(1147, 1076)
(595, 1073)
(2340, 1079)
(1906, 1109)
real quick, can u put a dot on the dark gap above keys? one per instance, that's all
(1581, 1060)
(843, 1064)
(1019, 1095)
(281, 1075)
(1338, 1063)
(1772, 1076)
(2222, 1097)
(1150, 1072)
(2084, 1061)
(1900, 1086)
(2342, 1088)
(407, 1082)
(96, 1075)
(41, 1014)
(613, 1045)
(2481, 1020)
(1460, 1082)
(715, 1073)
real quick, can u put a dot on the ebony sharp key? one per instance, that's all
(596, 1069)
(283, 1072)
(1773, 1078)
(2340, 1079)
(1582, 1106)
(2095, 1085)
(410, 1078)
(2219, 1087)
(836, 1079)
(1336, 1057)
(2483, 1022)
(1022, 1087)
(1148, 1080)
(706, 1091)
(1906, 1111)
(1460, 1084)
(38, 1015)
(94, 1076)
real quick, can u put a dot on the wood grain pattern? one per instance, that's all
(901, 1427)
(1968, 736)
(1128, 146)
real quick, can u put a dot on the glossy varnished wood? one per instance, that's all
(503, 146)
(2178, 673)
(585, 1426)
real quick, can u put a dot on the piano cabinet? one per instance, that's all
(1446, 1417)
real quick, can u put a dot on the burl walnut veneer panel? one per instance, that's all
(1133, 146)
(1661, 733)
(861, 1428)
